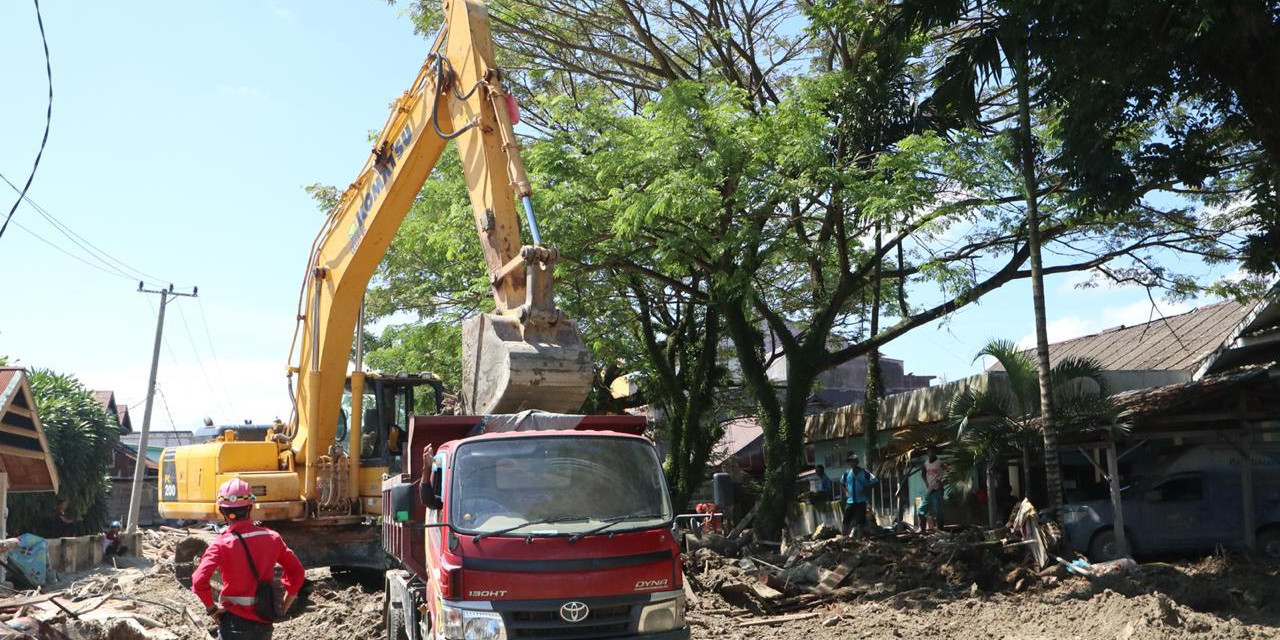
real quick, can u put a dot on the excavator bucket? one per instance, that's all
(509, 367)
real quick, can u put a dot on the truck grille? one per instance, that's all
(601, 622)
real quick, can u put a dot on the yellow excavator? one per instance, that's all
(318, 478)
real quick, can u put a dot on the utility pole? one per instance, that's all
(140, 465)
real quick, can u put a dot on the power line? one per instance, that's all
(173, 358)
(95, 252)
(116, 272)
(200, 362)
(209, 337)
(48, 119)
(160, 391)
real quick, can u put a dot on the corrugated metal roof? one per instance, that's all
(740, 434)
(1172, 343)
(1254, 341)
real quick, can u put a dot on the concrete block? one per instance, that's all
(68, 555)
(132, 542)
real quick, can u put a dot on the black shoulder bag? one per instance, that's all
(266, 603)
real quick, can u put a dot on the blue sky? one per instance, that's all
(183, 135)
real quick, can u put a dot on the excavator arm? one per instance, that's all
(523, 355)
(309, 480)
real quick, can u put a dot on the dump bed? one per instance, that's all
(437, 430)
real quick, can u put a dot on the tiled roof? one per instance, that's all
(7, 374)
(104, 398)
(1172, 343)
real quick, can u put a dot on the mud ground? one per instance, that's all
(1223, 596)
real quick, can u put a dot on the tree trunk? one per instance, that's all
(1052, 468)
(683, 359)
(782, 454)
(875, 384)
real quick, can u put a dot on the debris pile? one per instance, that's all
(149, 598)
(968, 583)
(841, 569)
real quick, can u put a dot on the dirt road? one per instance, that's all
(1218, 597)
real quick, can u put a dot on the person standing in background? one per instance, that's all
(934, 473)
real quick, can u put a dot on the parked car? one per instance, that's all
(1188, 499)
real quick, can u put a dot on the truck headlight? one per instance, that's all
(663, 616)
(465, 624)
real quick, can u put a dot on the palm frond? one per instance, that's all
(1020, 370)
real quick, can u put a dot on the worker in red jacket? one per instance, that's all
(247, 555)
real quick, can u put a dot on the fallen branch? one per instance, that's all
(779, 619)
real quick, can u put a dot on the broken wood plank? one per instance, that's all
(10, 603)
(780, 619)
(765, 592)
(195, 625)
(834, 579)
(689, 595)
(746, 520)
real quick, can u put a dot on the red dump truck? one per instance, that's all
(531, 526)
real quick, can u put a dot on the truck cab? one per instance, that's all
(532, 526)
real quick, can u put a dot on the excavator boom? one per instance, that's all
(523, 355)
(325, 466)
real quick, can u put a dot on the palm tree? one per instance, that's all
(998, 423)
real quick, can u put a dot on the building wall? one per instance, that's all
(118, 503)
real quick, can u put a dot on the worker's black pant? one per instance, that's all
(233, 627)
(855, 517)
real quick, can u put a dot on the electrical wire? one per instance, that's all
(92, 250)
(204, 373)
(222, 380)
(48, 119)
(116, 272)
(169, 348)
(160, 391)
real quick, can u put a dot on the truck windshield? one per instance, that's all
(557, 485)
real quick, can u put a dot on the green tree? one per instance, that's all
(82, 438)
(1000, 66)
(1005, 421)
(1148, 92)
(683, 378)
(761, 148)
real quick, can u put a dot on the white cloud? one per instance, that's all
(286, 15)
(1059, 330)
(1142, 312)
(1074, 281)
(1128, 315)
(252, 390)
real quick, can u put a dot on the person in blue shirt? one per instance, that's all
(857, 483)
(821, 486)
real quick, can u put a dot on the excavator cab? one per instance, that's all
(387, 408)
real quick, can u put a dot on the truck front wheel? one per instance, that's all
(393, 614)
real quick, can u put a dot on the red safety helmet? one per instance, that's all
(235, 493)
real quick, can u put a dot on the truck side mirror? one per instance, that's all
(429, 489)
(401, 502)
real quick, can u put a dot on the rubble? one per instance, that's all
(145, 599)
(971, 583)
(960, 583)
